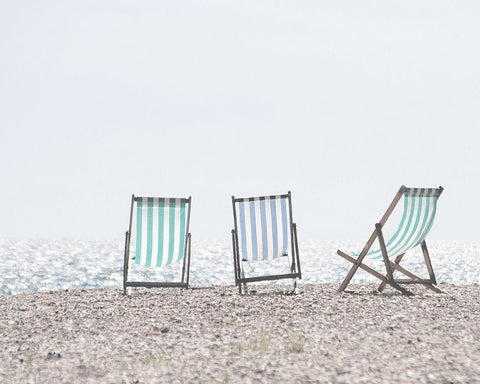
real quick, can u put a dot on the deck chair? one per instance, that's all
(264, 230)
(419, 208)
(162, 238)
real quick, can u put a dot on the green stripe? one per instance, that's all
(161, 215)
(149, 231)
(182, 230)
(139, 231)
(171, 231)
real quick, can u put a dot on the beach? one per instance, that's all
(216, 335)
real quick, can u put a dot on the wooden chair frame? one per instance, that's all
(152, 284)
(295, 269)
(390, 266)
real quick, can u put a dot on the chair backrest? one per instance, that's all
(419, 208)
(162, 226)
(263, 224)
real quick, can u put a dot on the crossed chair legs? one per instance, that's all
(391, 267)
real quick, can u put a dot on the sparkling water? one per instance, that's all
(31, 265)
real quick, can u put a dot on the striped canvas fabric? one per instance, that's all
(161, 227)
(263, 226)
(419, 210)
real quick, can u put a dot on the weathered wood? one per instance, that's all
(128, 235)
(374, 273)
(189, 256)
(413, 281)
(183, 199)
(236, 253)
(392, 205)
(372, 238)
(383, 248)
(389, 265)
(428, 262)
(155, 284)
(125, 263)
(240, 199)
(244, 280)
(299, 269)
(413, 276)
(397, 261)
(363, 266)
(292, 245)
(185, 251)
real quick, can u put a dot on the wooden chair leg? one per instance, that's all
(397, 261)
(428, 262)
(428, 284)
(356, 264)
(374, 273)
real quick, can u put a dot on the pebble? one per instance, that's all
(316, 335)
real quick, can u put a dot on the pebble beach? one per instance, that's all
(216, 335)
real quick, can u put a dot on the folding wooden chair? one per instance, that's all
(264, 230)
(418, 215)
(162, 238)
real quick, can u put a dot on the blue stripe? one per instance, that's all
(253, 226)
(243, 232)
(284, 226)
(273, 209)
(263, 217)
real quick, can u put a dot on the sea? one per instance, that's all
(42, 265)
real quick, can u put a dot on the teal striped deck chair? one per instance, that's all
(419, 208)
(264, 230)
(161, 238)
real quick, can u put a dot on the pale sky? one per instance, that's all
(340, 102)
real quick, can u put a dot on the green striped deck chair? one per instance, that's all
(419, 208)
(161, 238)
(263, 231)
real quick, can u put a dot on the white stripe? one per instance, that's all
(258, 225)
(279, 225)
(166, 231)
(248, 230)
(143, 252)
(268, 218)
(154, 232)
(176, 247)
